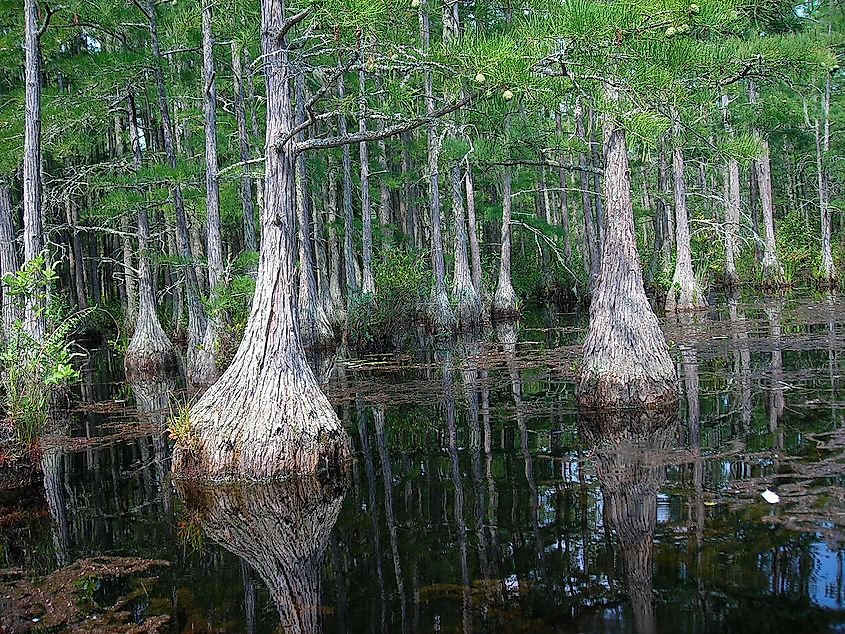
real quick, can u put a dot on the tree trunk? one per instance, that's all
(592, 259)
(467, 301)
(442, 317)
(196, 314)
(732, 208)
(504, 300)
(626, 359)
(821, 132)
(472, 228)
(9, 263)
(337, 314)
(384, 218)
(772, 269)
(563, 182)
(315, 330)
(250, 239)
(33, 227)
(409, 198)
(368, 283)
(267, 417)
(206, 370)
(350, 275)
(685, 293)
(150, 351)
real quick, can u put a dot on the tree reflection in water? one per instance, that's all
(630, 451)
(280, 530)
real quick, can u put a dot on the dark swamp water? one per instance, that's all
(478, 501)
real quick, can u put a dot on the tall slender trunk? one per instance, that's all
(267, 417)
(626, 359)
(732, 207)
(472, 228)
(149, 351)
(563, 182)
(9, 263)
(409, 191)
(467, 301)
(196, 314)
(315, 330)
(337, 314)
(368, 283)
(250, 239)
(350, 275)
(821, 132)
(384, 219)
(772, 269)
(504, 300)
(595, 161)
(441, 312)
(754, 207)
(206, 371)
(257, 138)
(685, 293)
(33, 228)
(592, 258)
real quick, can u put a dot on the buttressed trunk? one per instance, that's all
(626, 359)
(266, 417)
(150, 350)
(468, 303)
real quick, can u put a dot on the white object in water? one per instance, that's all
(770, 496)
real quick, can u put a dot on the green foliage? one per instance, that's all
(34, 369)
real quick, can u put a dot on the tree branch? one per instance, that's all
(376, 135)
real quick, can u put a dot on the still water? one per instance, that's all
(479, 501)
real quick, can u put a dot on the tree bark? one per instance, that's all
(442, 317)
(626, 359)
(563, 183)
(592, 258)
(732, 208)
(150, 351)
(315, 329)
(9, 263)
(337, 313)
(267, 417)
(467, 301)
(250, 239)
(472, 228)
(368, 283)
(206, 370)
(350, 275)
(504, 300)
(196, 314)
(772, 269)
(33, 224)
(685, 293)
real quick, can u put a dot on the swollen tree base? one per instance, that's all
(246, 428)
(150, 351)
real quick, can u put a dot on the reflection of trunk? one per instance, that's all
(776, 400)
(626, 360)
(685, 293)
(457, 483)
(53, 469)
(627, 452)
(150, 350)
(372, 503)
(267, 416)
(153, 400)
(742, 362)
(249, 597)
(387, 480)
(281, 531)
